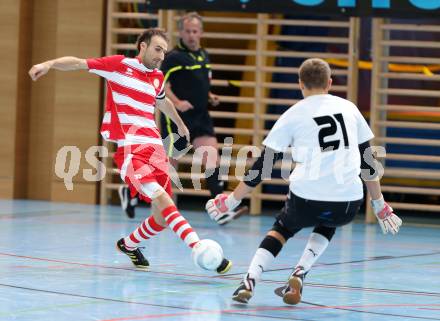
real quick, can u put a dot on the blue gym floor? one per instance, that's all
(59, 262)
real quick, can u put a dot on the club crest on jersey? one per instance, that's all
(156, 83)
(129, 71)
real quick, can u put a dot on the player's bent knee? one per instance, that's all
(325, 231)
(280, 230)
(276, 235)
(152, 190)
(273, 243)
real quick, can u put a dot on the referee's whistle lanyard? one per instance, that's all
(199, 58)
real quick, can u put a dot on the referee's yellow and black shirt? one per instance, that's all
(189, 74)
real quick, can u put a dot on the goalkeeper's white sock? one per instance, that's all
(266, 253)
(315, 247)
(260, 262)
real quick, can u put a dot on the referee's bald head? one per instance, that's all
(314, 73)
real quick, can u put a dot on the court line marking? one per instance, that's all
(228, 277)
(188, 309)
(33, 214)
(105, 266)
(190, 289)
(376, 313)
(157, 316)
(313, 306)
(376, 258)
(375, 290)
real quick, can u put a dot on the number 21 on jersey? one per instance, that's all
(332, 128)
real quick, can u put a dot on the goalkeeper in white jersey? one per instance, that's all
(329, 142)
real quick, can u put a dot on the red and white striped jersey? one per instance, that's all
(132, 90)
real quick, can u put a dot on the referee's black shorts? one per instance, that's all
(199, 124)
(299, 213)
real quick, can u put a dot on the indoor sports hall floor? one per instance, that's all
(58, 262)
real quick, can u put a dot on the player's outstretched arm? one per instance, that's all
(63, 64)
(388, 221)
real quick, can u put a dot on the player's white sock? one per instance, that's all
(179, 225)
(260, 262)
(145, 231)
(315, 247)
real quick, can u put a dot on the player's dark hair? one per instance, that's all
(148, 34)
(314, 73)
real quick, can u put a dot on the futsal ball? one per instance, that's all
(207, 254)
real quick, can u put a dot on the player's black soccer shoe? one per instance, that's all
(136, 256)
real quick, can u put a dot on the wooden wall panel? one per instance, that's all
(42, 102)
(65, 106)
(82, 193)
(9, 31)
(23, 100)
(77, 94)
(15, 32)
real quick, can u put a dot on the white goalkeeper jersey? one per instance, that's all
(323, 133)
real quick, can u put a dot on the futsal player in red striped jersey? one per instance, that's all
(135, 87)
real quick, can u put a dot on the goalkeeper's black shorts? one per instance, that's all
(299, 213)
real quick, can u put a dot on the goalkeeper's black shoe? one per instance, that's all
(128, 203)
(136, 256)
(224, 267)
(245, 290)
(293, 292)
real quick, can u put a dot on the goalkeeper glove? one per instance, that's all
(221, 208)
(388, 221)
